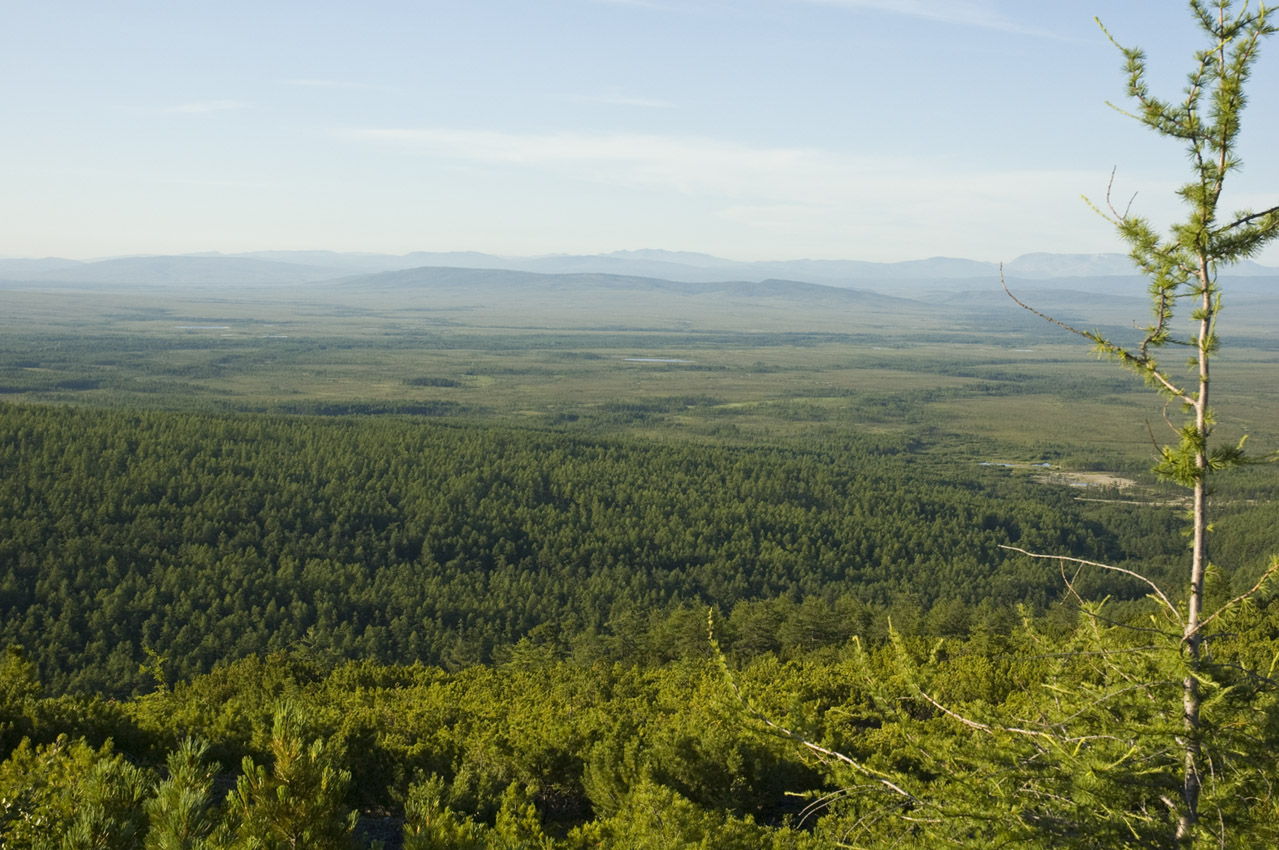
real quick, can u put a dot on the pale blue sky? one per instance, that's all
(753, 129)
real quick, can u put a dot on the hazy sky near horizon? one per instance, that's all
(751, 129)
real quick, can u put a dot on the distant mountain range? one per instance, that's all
(1085, 272)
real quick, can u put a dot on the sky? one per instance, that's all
(879, 130)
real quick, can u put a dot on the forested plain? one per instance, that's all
(484, 572)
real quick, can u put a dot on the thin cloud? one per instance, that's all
(680, 7)
(826, 197)
(201, 107)
(615, 97)
(969, 13)
(344, 85)
(207, 183)
(779, 218)
(776, 190)
(639, 4)
(686, 164)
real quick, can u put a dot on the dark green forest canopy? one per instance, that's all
(203, 538)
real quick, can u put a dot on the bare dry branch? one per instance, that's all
(1070, 582)
(1270, 571)
(1093, 615)
(827, 752)
(1167, 421)
(1247, 671)
(1043, 316)
(1159, 594)
(872, 774)
(1154, 441)
(1110, 185)
(1145, 365)
(973, 724)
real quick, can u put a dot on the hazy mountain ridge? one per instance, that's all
(654, 297)
(170, 270)
(913, 278)
(477, 280)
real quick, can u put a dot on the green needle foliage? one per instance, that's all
(182, 812)
(431, 825)
(1118, 733)
(109, 810)
(42, 789)
(298, 804)
(1183, 272)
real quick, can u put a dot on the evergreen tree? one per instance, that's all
(182, 814)
(1183, 271)
(298, 804)
(1119, 733)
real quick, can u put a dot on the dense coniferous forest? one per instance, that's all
(209, 538)
(263, 628)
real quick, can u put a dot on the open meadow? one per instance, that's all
(744, 362)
